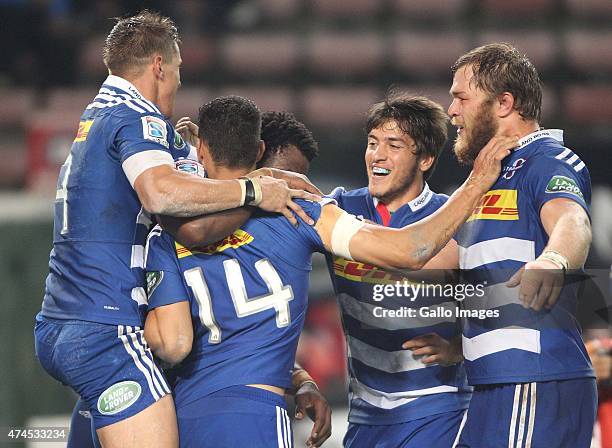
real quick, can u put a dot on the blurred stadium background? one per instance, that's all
(324, 60)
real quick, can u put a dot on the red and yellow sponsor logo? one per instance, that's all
(499, 205)
(234, 241)
(83, 130)
(362, 272)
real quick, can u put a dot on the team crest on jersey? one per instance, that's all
(154, 278)
(367, 273)
(562, 184)
(234, 241)
(84, 127)
(510, 170)
(154, 128)
(118, 397)
(179, 143)
(498, 205)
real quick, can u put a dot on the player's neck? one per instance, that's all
(404, 197)
(225, 173)
(518, 127)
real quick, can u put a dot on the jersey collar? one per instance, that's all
(556, 134)
(125, 85)
(417, 203)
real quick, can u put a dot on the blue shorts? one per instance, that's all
(82, 433)
(110, 367)
(551, 414)
(235, 417)
(434, 431)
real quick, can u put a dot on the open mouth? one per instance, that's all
(379, 171)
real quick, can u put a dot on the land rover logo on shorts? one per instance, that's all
(118, 397)
(154, 278)
(562, 184)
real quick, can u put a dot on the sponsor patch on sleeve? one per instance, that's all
(562, 184)
(154, 128)
(154, 278)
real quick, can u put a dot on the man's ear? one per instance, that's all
(202, 151)
(158, 70)
(505, 104)
(425, 162)
(260, 152)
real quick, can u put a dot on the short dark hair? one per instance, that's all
(424, 120)
(231, 127)
(281, 129)
(499, 68)
(134, 39)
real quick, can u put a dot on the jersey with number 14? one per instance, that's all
(248, 296)
(96, 267)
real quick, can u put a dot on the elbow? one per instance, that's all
(174, 351)
(408, 260)
(154, 202)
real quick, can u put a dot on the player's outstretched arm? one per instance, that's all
(412, 246)
(569, 230)
(169, 332)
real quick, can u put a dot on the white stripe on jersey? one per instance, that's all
(139, 296)
(579, 167)
(515, 406)
(494, 297)
(496, 341)
(123, 97)
(150, 106)
(137, 163)
(572, 159)
(138, 253)
(563, 154)
(364, 312)
(391, 362)
(139, 366)
(392, 400)
(128, 103)
(498, 249)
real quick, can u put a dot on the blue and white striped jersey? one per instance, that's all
(501, 235)
(387, 384)
(248, 295)
(96, 267)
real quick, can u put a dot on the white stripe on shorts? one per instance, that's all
(532, 411)
(515, 406)
(521, 429)
(160, 376)
(149, 362)
(461, 425)
(134, 355)
(279, 431)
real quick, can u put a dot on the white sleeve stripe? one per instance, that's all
(579, 167)
(136, 164)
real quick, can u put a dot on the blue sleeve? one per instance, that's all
(164, 279)
(137, 133)
(337, 195)
(312, 209)
(550, 178)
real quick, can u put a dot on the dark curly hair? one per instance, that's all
(231, 127)
(281, 129)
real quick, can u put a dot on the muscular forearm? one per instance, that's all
(571, 237)
(205, 229)
(412, 246)
(165, 191)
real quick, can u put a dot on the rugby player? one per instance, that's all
(121, 168)
(534, 385)
(405, 398)
(237, 349)
(289, 145)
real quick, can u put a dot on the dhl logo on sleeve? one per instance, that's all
(362, 272)
(234, 241)
(83, 130)
(497, 204)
